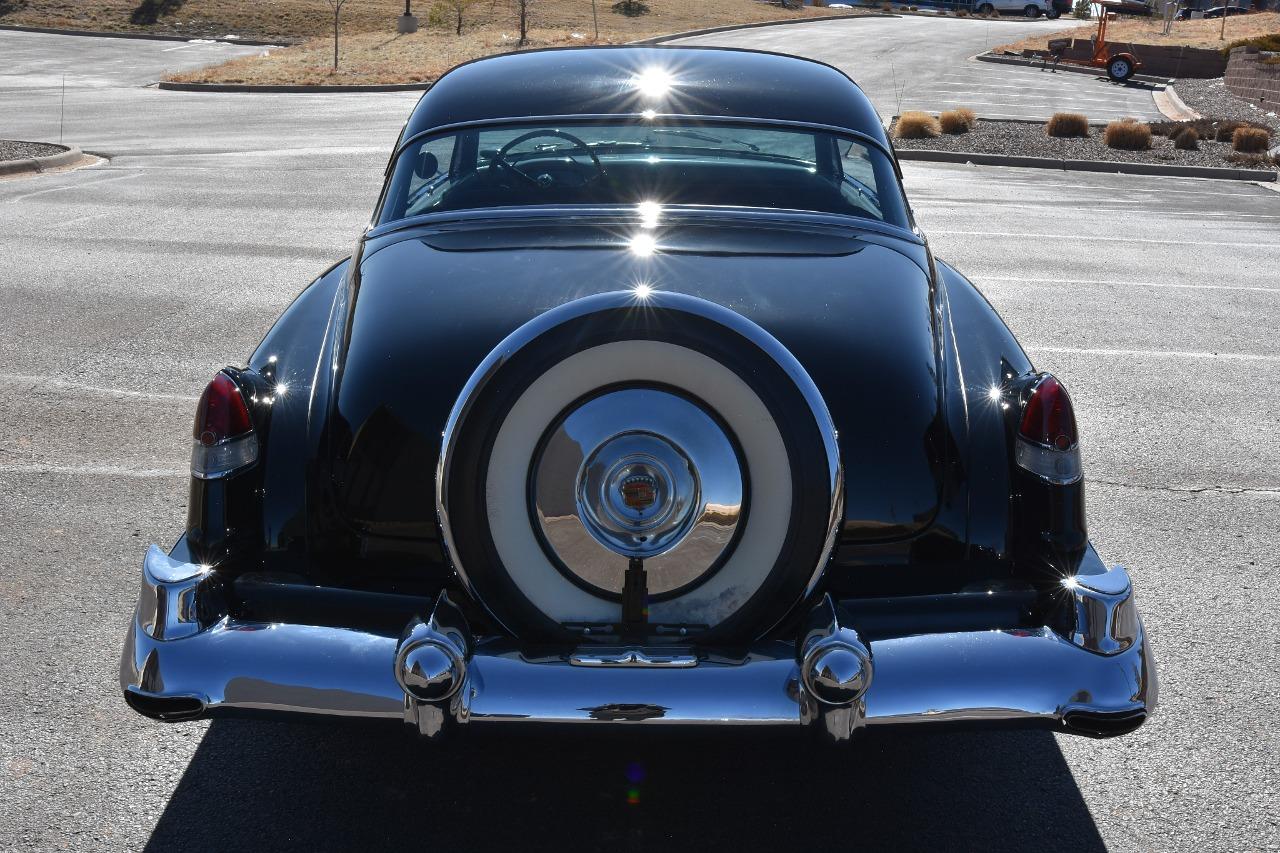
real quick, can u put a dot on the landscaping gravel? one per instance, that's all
(1028, 139)
(13, 150)
(1211, 98)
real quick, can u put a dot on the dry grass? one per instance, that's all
(1127, 134)
(289, 20)
(1067, 125)
(957, 121)
(1187, 139)
(1200, 33)
(1250, 140)
(916, 125)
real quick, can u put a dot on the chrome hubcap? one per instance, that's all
(637, 473)
(636, 494)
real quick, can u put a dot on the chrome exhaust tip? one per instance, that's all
(168, 709)
(1104, 724)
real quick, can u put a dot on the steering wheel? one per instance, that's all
(500, 157)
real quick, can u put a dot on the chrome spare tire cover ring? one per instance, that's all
(640, 472)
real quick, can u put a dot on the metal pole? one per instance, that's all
(595, 20)
(62, 112)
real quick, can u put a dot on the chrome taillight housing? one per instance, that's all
(224, 440)
(1048, 444)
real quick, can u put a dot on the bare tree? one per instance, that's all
(522, 14)
(336, 6)
(457, 9)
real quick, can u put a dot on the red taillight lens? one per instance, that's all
(1049, 418)
(222, 413)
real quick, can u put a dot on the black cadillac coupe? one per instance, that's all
(641, 401)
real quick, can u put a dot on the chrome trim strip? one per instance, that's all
(631, 657)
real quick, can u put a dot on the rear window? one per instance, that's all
(631, 163)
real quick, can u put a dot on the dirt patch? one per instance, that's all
(1201, 33)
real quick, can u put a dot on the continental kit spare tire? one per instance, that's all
(658, 428)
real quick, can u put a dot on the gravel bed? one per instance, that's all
(13, 150)
(1210, 98)
(1029, 140)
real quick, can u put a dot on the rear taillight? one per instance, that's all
(224, 438)
(1048, 444)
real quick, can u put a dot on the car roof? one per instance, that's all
(624, 80)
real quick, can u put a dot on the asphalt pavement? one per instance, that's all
(126, 285)
(918, 62)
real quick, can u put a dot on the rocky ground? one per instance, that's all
(1211, 98)
(13, 150)
(1028, 139)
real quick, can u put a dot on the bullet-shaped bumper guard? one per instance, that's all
(184, 658)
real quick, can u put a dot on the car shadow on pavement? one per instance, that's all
(270, 785)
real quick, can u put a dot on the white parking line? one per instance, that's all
(1155, 353)
(36, 382)
(1038, 185)
(96, 470)
(1023, 235)
(1002, 279)
(74, 186)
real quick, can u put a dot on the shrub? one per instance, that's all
(1271, 41)
(916, 125)
(1067, 125)
(1204, 127)
(1224, 130)
(630, 8)
(1253, 161)
(148, 11)
(1250, 140)
(962, 13)
(958, 121)
(1127, 134)
(1186, 139)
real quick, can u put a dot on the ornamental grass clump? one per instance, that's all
(1226, 129)
(916, 125)
(1250, 140)
(958, 121)
(1187, 139)
(1127, 134)
(1068, 125)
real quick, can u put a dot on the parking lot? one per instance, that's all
(124, 286)
(917, 62)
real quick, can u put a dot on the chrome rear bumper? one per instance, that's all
(185, 658)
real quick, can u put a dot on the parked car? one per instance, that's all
(1030, 8)
(1130, 7)
(1225, 11)
(642, 400)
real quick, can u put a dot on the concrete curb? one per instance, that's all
(1168, 102)
(816, 19)
(170, 86)
(19, 28)
(41, 164)
(1074, 69)
(1221, 173)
